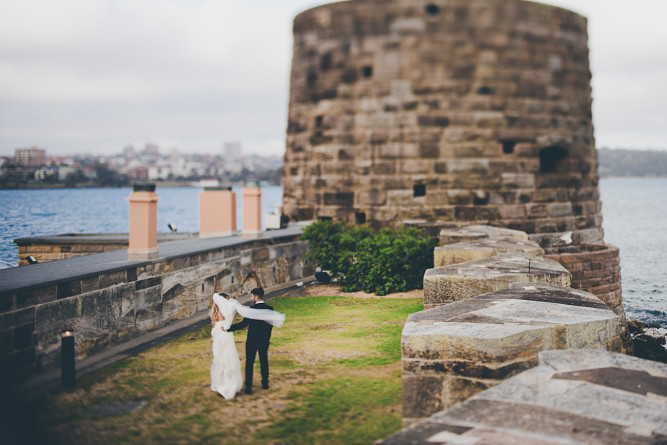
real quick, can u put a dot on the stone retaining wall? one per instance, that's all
(71, 245)
(109, 307)
(486, 320)
(572, 397)
(461, 281)
(48, 252)
(452, 352)
(596, 268)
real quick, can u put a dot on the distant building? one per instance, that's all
(129, 152)
(140, 172)
(159, 172)
(30, 157)
(65, 170)
(48, 171)
(231, 150)
(152, 149)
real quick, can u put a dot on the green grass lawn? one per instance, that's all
(335, 379)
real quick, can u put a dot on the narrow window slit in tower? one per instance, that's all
(311, 78)
(508, 147)
(553, 160)
(419, 190)
(325, 62)
(432, 9)
(360, 217)
(367, 71)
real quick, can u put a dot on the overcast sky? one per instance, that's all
(96, 75)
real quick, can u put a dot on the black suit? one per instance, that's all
(259, 334)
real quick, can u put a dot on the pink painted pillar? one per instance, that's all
(252, 209)
(143, 222)
(217, 212)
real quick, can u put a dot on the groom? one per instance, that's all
(259, 334)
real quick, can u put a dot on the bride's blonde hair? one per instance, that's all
(215, 311)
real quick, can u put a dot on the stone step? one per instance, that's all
(464, 280)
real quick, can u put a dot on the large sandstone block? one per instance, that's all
(573, 397)
(451, 352)
(483, 248)
(477, 232)
(465, 280)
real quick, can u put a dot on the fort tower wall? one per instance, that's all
(457, 110)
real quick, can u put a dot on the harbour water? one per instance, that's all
(634, 210)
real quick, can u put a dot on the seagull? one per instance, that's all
(566, 238)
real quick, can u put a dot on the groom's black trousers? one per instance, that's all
(251, 350)
(259, 336)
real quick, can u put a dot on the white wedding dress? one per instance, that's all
(226, 377)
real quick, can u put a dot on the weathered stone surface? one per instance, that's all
(477, 232)
(503, 121)
(572, 397)
(106, 299)
(483, 248)
(596, 268)
(464, 280)
(474, 344)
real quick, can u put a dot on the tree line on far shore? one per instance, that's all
(632, 163)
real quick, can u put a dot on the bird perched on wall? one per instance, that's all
(322, 276)
(565, 239)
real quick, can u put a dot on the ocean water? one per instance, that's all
(634, 210)
(634, 214)
(26, 213)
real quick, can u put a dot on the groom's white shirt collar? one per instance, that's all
(259, 301)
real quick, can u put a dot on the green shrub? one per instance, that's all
(391, 260)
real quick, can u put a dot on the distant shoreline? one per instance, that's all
(159, 184)
(170, 184)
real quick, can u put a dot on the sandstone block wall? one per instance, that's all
(452, 352)
(480, 249)
(596, 268)
(487, 319)
(71, 245)
(452, 110)
(451, 235)
(572, 397)
(49, 252)
(457, 282)
(110, 307)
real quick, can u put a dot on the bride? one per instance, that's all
(226, 378)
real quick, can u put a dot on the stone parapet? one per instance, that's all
(465, 280)
(462, 252)
(70, 245)
(451, 352)
(596, 268)
(572, 397)
(106, 299)
(44, 253)
(477, 232)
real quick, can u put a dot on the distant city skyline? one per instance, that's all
(94, 76)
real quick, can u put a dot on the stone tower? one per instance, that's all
(443, 111)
